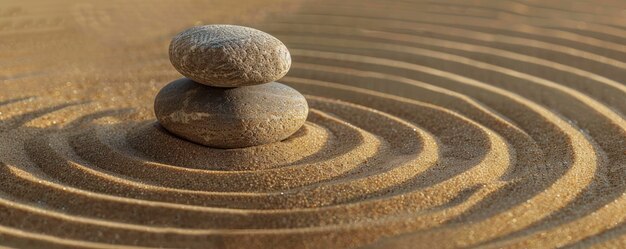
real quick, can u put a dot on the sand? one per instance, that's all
(442, 124)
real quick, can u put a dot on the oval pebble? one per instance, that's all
(229, 56)
(230, 117)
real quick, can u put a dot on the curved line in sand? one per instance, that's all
(420, 130)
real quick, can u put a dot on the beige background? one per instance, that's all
(434, 124)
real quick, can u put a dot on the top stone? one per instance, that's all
(229, 56)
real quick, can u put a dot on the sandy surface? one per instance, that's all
(437, 124)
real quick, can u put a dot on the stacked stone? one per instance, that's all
(229, 98)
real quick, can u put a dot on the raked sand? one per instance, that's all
(433, 124)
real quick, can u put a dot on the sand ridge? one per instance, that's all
(440, 124)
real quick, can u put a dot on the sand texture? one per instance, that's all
(432, 124)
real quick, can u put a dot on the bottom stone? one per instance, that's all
(230, 117)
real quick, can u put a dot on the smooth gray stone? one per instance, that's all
(230, 117)
(229, 56)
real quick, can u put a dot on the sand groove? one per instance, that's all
(436, 124)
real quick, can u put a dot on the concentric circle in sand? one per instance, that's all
(442, 124)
